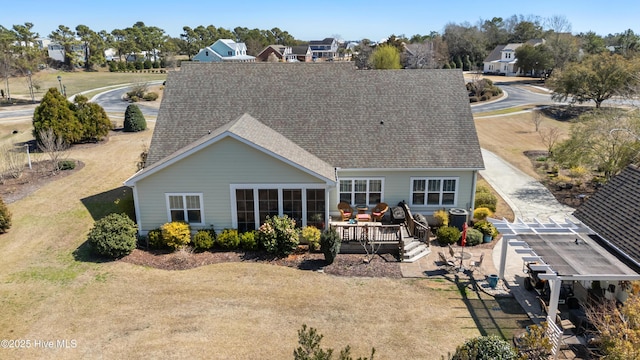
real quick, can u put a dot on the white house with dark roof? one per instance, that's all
(224, 50)
(502, 60)
(267, 139)
(325, 49)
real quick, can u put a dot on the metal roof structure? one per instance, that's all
(565, 251)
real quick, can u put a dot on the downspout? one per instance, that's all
(474, 181)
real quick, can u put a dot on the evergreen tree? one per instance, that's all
(5, 217)
(133, 119)
(94, 120)
(55, 112)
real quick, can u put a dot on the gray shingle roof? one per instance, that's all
(346, 117)
(496, 54)
(614, 212)
(246, 128)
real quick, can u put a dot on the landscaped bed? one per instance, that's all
(382, 265)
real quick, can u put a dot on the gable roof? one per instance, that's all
(253, 133)
(301, 50)
(613, 212)
(496, 54)
(375, 119)
(325, 41)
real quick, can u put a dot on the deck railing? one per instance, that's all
(372, 232)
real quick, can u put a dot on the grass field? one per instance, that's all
(51, 290)
(75, 81)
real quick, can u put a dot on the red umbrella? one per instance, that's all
(464, 235)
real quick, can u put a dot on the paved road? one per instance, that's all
(110, 100)
(516, 95)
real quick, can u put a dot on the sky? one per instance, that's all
(313, 20)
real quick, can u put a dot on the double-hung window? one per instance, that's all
(434, 191)
(185, 207)
(360, 191)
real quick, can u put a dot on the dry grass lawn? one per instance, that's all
(48, 291)
(511, 135)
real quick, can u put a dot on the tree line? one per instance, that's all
(462, 45)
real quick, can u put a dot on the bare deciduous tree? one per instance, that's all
(536, 119)
(12, 163)
(54, 147)
(549, 137)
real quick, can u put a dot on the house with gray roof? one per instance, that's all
(236, 142)
(325, 49)
(224, 50)
(502, 60)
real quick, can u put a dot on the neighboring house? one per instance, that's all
(257, 140)
(280, 52)
(502, 60)
(613, 213)
(56, 51)
(326, 49)
(302, 53)
(224, 50)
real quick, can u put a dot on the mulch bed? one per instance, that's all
(382, 265)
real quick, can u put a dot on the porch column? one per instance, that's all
(503, 256)
(555, 285)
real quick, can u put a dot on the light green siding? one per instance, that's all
(397, 187)
(210, 171)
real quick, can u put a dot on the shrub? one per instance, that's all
(228, 239)
(482, 189)
(148, 64)
(485, 97)
(311, 236)
(113, 66)
(448, 235)
(139, 65)
(248, 240)
(150, 96)
(486, 228)
(5, 217)
(176, 234)
(486, 199)
(114, 236)
(330, 245)
(473, 99)
(122, 66)
(442, 217)
(156, 65)
(66, 165)
(485, 348)
(481, 213)
(474, 237)
(133, 119)
(155, 240)
(202, 240)
(278, 235)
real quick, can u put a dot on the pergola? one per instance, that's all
(564, 251)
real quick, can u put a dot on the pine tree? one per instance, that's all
(133, 119)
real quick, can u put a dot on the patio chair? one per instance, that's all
(346, 211)
(451, 252)
(378, 211)
(448, 264)
(473, 265)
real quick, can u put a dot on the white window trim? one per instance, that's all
(184, 200)
(352, 179)
(426, 190)
(279, 187)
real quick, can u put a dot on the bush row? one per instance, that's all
(278, 236)
(115, 66)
